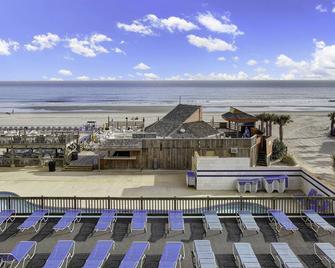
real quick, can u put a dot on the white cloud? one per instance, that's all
(7, 47)
(122, 42)
(320, 66)
(260, 70)
(211, 44)
(89, 46)
(235, 58)
(171, 23)
(221, 58)
(333, 10)
(215, 25)
(266, 61)
(83, 78)
(65, 72)
(213, 76)
(118, 51)
(107, 78)
(148, 23)
(252, 62)
(55, 79)
(135, 27)
(150, 76)
(142, 66)
(261, 76)
(321, 8)
(43, 41)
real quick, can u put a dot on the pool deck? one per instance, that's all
(300, 242)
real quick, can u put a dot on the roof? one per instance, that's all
(301, 242)
(173, 120)
(194, 130)
(236, 115)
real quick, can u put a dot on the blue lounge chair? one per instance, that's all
(212, 222)
(34, 220)
(139, 221)
(245, 256)
(106, 221)
(176, 221)
(100, 254)
(173, 253)
(5, 217)
(281, 221)
(135, 255)
(68, 220)
(61, 254)
(247, 222)
(24, 250)
(284, 254)
(317, 223)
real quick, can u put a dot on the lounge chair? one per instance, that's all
(316, 222)
(246, 221)
(173, 253)
(284, 254)
(100, 254)
(5, 217)
(245, 256)
(106, 221)
(203, 254)
(68, 221)
(24, 250)
(212, 222)
(139, 221)
(61, 254)
(325, 252)
(281, 221)
(135, 255)
(34, 220)
(176, 221)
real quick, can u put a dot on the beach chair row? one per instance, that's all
(176, 223)
(64, 250)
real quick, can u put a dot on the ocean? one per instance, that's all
(214, 96)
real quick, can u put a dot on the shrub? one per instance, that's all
(279, 150)
(333, 157)
(289, 160)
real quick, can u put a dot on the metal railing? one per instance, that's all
(161, 205)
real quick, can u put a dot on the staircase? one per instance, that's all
(83, 163)
(261, 159)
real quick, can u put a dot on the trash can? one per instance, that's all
(52, 166)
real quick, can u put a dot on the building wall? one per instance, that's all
(195, 117)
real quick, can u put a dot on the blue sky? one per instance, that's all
(167, 39)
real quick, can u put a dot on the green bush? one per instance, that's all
(279, 150)
(333, 157)
(289, 160)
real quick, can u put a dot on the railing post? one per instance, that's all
(9, 203)
(75, 202)
(42, 202)
(141, 202)
(175, 203)
(109, 202)
(208, 203)
(273, 203)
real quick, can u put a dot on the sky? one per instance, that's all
(167, 40)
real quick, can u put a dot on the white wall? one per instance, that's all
(226, 163)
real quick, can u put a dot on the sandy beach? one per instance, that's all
(307, 139)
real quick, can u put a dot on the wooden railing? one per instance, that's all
(161, 205)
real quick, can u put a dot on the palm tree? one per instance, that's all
(272, 118)
(281, 121)
(261, 118)
(332, 119)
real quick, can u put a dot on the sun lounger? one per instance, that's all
(246, 221)
(325, 252)
(34, 220)
(317, 223)
(68, 221)
(176, 221)
(281, 221)
(212, 222)
(283, 253)
(5, 217)
(245, 256)
(173, 253)
(23, 251)
(61, 254)
(203, 254)
(100, 254)
(106, 221)
(139, 221)
(135, 255)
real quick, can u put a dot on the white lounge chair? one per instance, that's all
(317, 223)
(282, 253)
(212, 222)
(245, 256)
(325, 252)
(203, 254)
(246, 221)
